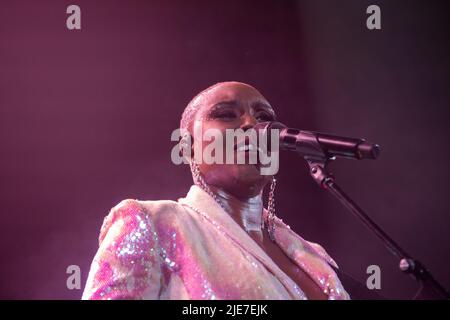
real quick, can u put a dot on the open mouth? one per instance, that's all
(249, 150)
(246, 146)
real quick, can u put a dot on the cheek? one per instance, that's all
(207, 137)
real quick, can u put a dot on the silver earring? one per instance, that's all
(196, 173)
(199, 181)
(271, 210)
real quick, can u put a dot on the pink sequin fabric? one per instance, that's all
(192, 249)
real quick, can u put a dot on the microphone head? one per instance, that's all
(265, 126)
(264, 131)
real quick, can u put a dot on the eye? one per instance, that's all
(227, 114)
(265, 116)
(223, 115)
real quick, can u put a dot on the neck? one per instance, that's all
(246, 212)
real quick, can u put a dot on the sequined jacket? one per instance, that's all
(192, 249)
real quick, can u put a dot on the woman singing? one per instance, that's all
(218, 242)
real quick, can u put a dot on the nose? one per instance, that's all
(248, 122)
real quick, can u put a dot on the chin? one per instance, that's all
(238, 177)
(250, 175)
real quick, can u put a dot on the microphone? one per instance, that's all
(315, 144)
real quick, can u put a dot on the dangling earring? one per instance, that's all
(195, 170)
(195, 173)
(270, 225)
(199, 181)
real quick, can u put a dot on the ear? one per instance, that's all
(186, 146)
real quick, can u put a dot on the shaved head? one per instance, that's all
(223, 87)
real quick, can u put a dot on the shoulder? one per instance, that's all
(309, 246)
(130, 212)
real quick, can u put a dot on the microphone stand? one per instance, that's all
(429, 287)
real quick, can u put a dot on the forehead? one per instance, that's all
(239, 93)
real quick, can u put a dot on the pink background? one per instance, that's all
(86, 117)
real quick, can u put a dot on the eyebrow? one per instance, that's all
(256, 105)
(223, 104)
(263, 105)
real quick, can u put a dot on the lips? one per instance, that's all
(245, 146)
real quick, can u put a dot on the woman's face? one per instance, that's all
(232, 105)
